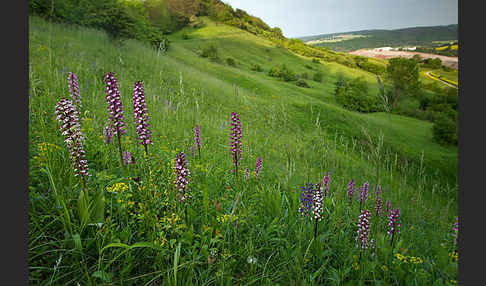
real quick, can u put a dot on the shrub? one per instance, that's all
(286, 74)
(256, 67)
(210, 52)
(445, 131)
(230, 62)
(353, 95)
(317, 76)
(316, 60)
(274, 72)
(185, 36)
(308, 66)
(304, 75)
(302, 83)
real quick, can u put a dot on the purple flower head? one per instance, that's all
(363, 192)
(351, 189)
(115, 107)
(108, 134)
(235, 139)
(74, 90)
(258, 167)
(197, 136)
(128, 158)
(455, 229)
(326, 180)
(388, 207)
(363, 231)
(306, 199)
(182, 175)
(140, 114)
(394, 221)
(68, 116)
(379, 206)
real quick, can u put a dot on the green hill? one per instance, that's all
(147, 237)
(415, 36)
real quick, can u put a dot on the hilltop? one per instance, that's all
(367, 39)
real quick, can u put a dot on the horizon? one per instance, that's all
(312, 17)
(375, 29)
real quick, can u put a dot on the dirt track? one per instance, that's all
(452, 62)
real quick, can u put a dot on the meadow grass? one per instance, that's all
(301, 134)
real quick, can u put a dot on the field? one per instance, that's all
(452, 62)
(334, 39)
(124, 224)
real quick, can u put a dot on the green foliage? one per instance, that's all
(282, 72)
(256, 67)
(403, 74)
(307, 66)
(185, 36)
(302, 83)
(210, 52)
(274, 72)
(433, 63)
(316, 60)
(231, 62)
(286, 74)
(445, 130)
(318, 76)
(354, 95)
(304, 75)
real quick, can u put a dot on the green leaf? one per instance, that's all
(77, 242)
(83, 207)
(106, 277)
(98, 209)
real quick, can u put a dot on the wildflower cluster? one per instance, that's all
(363, 193)
(317, 203)
(326, 180)
(258, 167)
(108, 134)
(235, 140)
(351, 190)
(197, 138)
(115, 106)
(409, 259)
(455, 229)
(46, 148)
(74, 90)
(182, 175)
(117, 188)
(394, 221)
(453, 255)
(379, 206)
(388, 207)
(363, 231)
(140, 114)
(67, 115)
(226, 217)
(128, 158)
(306, 199)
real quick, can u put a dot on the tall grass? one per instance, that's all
(147, 241)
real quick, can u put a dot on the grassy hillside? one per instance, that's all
(415, 36)
(146, 235)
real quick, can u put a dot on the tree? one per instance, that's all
(403, 73)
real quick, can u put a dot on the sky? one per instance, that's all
(299, 18)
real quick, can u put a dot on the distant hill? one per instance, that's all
(365, 39)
